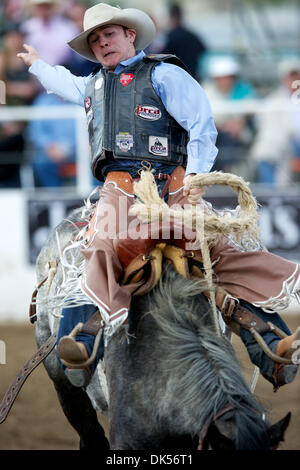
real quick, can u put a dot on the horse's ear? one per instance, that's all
(216, 440)
(277, 430)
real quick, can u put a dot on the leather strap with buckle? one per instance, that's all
(236, 316)
(124, 181)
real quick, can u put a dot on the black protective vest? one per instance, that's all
(127, 120)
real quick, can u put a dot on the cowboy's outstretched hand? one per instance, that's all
(30, 56)
(194, 195)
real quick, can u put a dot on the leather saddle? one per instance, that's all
(141, 253)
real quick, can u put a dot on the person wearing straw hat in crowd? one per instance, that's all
(235, 131)
(276, 148)
(147, 111)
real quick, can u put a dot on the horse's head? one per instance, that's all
(223, 434)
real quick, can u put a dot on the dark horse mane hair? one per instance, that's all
(209, 375)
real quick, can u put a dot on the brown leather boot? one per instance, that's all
(73, 354)
(286, 344)
(283, 373)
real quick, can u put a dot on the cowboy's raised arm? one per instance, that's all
(57, 79)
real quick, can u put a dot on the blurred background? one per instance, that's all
(246, 56)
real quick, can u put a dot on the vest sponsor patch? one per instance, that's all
(87, 103)
(126, 78)
(124, 141)
(158, 146)
(150, 113)
(99, 83)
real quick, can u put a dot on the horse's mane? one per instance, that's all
(210, 375)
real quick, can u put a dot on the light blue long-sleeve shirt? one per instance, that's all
(182, 96)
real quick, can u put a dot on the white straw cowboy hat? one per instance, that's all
(223, 66)
(103, 14)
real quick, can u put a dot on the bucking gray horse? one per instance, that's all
(167, 381)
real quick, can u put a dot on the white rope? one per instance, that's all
(208, 276)
(102, 379)
(52, 266)
(254, 379)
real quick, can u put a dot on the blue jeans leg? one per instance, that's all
(256, 354)
(72, 316)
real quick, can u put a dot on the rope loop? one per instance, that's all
(247, 218)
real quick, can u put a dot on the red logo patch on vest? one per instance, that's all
(87, 102)
(126, 78)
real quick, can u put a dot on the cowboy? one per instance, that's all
(148, 108)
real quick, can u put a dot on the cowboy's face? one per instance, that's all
(111, 44)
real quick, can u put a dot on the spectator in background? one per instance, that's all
(13, 12)
(48, 31)
(53, 146)
(276, 150)
(76, 13)
(235, 132)
(183, 43)
(20, 87)
(20, 90)
(77, 64)
(12, 146)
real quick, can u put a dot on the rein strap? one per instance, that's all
(23, 374)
